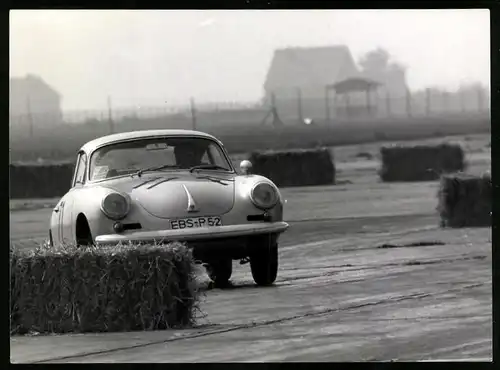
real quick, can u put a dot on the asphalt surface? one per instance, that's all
(339, 296)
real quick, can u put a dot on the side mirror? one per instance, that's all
(245, 167)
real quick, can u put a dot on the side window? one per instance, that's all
(216, 156)
(206, 159)
(81, 165)
(75, 170)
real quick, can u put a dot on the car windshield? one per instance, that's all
(165, 153)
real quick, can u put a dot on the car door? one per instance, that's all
(67, 218)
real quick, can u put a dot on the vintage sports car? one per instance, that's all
(173, 185)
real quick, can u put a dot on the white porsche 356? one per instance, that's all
(172, 185)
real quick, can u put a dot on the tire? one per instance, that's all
(83, 234)
(264, 264)
(220, 271)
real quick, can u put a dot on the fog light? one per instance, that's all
(118, 226)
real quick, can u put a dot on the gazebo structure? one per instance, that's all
(343, 90)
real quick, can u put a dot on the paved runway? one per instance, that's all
(339, 296)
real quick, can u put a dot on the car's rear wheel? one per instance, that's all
(220, 271)
(264, 262)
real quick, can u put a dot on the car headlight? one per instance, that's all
(264, 196)
(115, 206)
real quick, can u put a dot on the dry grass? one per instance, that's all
(295, 168)
(465, 201)
(101, 289)
(421, 162)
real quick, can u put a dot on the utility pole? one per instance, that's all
(299, 105)
(462, 100)
(110, 116)
(427, 102)
(388, 103)
(30, 116)
(368, 102)
(446, 104)
(408, 103)
(327, 105)
(479, 100)
(193, 113)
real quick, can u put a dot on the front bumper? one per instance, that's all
(202, 233)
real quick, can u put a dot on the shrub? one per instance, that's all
(295, 168)
(101, 289)
(40, 181)
(465, 201)
(421, 162)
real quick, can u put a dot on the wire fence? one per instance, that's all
(286, 109)
(381, 104)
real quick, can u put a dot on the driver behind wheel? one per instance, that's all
(188, 155)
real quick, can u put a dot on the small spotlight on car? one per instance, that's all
(118, 226)
(308, 121)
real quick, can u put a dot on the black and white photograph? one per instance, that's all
(251, 185)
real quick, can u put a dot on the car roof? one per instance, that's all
(140, 134)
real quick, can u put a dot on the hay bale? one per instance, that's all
(101, 289)
(295, 168)
(465, 201)
(421, 162)
(40, 181)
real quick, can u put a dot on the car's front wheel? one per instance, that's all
(220, 271)
(264, 264)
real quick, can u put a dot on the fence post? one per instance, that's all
(30, 116)
(327, 104)
(408, 103)
(462, 101)
(387, 103)
(367, 96)
(299, 105)
(446, 105)
(479, 100)
(427, 102)
(193, 113)
(110, 116)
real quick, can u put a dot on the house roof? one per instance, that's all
(32, 85)
(308, 66)
(354, 84)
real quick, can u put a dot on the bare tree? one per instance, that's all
(376, 60)
(378, 65)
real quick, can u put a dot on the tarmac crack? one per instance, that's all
(267, 322)
(347, 267)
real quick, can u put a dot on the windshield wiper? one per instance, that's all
(214, 179)
(207, 167)
(154, 168)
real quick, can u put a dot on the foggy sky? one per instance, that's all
(156, 58)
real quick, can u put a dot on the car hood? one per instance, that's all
(170, 195)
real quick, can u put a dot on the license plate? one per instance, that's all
(190, 223)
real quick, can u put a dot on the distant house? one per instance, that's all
(307, 68)
(32, 98)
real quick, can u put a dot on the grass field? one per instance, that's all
(62, 143)
(366, 274)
